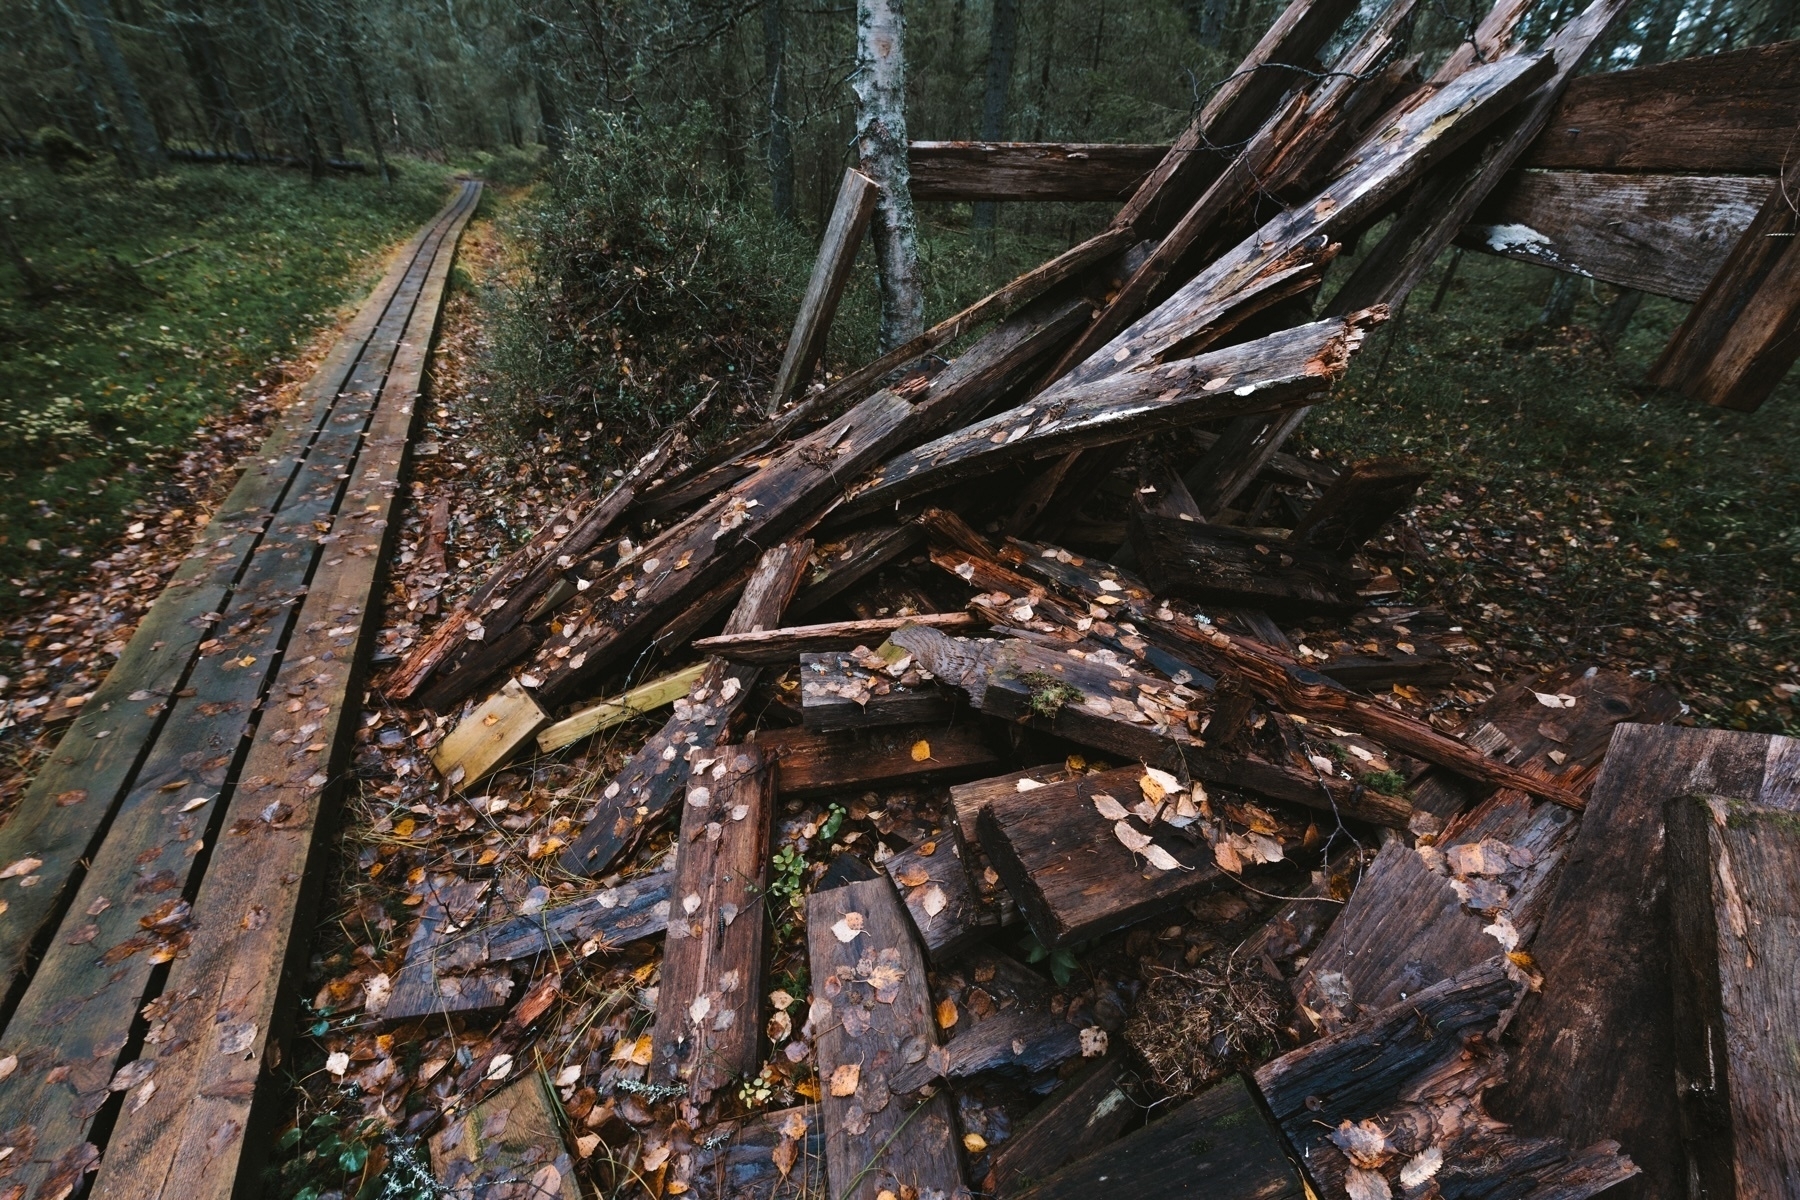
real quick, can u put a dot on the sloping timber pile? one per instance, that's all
(1048, 647)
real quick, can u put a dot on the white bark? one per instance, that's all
(880, 84)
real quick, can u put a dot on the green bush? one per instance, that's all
(648, 285)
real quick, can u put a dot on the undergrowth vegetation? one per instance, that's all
(147, 306)
(1574, 513)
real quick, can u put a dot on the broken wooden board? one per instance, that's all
(772, 647)
(1271, 374)
(1732, 869)
(1068, 867)
(1716, 114)
(837, 691)
(933, 879)
(709, 1003)
(645, 698)
(968, 799)
(747, 1163)
(1664, 234)
(1024, 1044)
(1359, 503)
(648, 783)
(1091, 1111)
(507, 1146)
(1738, 341)
(837, 256)
(420, 987)
(809, 763)
(1028, 170)
(840, 563)
(871, 1017)
(1217, 1144)
(489, 736)
(1594, 1050)
(1217, 564)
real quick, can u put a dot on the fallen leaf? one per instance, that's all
(913, 876)
(785, 1154)
(24, 866)
(848, 927)
(844, 1078)
(1555, 700)
(921, 750)
(946, 1016)
(1366, 1185)
(1158, 783)
(934, 900)
(1421, 1167)
(1093, 1042)
(1133, 840)
(337, 1062)
(974, 1143)
(1108, 808)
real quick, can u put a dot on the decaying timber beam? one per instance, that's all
(837, 255)
(770, 647)
(1028, 170)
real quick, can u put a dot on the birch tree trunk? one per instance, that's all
(781, 141)
(880, 83)
(1003, 40)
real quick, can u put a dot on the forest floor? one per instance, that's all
(1572, 517)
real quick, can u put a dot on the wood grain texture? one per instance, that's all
(1217, 564)
(1360, 502)
(1663, 234)
(810, 763)
(1028, 170)
(871, 1010)
(769, 647)
(1092, 1110)
(933, 878)
(420, 987)
(837, 692)
(742, 1167)
(1593, 1051)
(1719, 114)
(507, 1144)
(1217, 1144)
(709, 1004)
(831, 271)
(1732, 868)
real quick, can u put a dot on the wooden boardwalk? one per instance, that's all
(158, 869)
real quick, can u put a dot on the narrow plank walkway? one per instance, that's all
(158, 867)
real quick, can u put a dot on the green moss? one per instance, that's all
(1388, 783)
(1049, 694)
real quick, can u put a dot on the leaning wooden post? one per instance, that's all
(837, 254)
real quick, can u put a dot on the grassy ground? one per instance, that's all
(1576, 514)
(166, 300)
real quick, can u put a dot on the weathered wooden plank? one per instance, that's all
(1267, 375)
(1028, 170)
(933, 879)
(769, 647)
(1732, 867)
(1023, 1044)
(841, 563)
(487, 738)
(224, 993)
(1217, 1144)
(1738, 340)
(1223, 565)
(743, 1165)
(648, 783)
(1593, 1051)
(1363, 499)
(1719, 114)
(1089, 1112)
(837, 692)
(871, 1015)
(645, 698)
(710, 999)
(1663, 234)
(810, 763)
(1071, 874)
(79, 788)
(837, 255)
(508, 1145)
(420, 988)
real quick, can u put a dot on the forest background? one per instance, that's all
(191, 189)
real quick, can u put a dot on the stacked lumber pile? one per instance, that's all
(1077, 648)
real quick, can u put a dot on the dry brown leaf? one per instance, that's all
(844, 1078)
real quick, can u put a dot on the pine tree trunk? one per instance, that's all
(548, 113)
(1003, 40)
(880, 83)
(145, 144)
(781, 138)
(84, 84)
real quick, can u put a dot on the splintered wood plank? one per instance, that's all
(644, 698)
(648, 783)
(770, 647)
(1217, 1144)
(1218, 564)
(933, 878)
(707, 1008)
(507, 1145)
(1089, 1112)
(1281, 371)
(1363, 499)
(838, 692)
(1732, 868)
(627, 604)
(1028, 170)
(1715, 114)
(604, 920)
(746, 1164)
(1064, 862)
(1593, 1052)
(80, 786)
(488, 737)
(968, 799)
(871, 1009)
(420, 987)
(1738, 340)
(810, 763)
(1663, 234)
(837, 255)
(222, 995)
(1024, 1044)
(842, 562)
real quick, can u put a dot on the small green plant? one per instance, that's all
(834, 820)
(1049, 694)
(1063, 963)
(787, 876)
(1388, 783)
